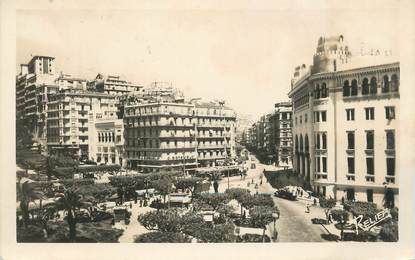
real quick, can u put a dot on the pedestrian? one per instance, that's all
(307, 209)
(141, 203)
(244, 215)
(113, 221)
(330, 218)
(315, 201)
(131, 205)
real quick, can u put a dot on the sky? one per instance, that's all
(245, 57)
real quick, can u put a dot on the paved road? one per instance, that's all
(294, 225)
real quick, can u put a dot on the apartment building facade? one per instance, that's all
(282, 122)
(113, 85)
(346, 112)
(163, 135)
(68, 116)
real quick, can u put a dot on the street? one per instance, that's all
(294, 225)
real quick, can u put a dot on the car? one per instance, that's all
(286, 194)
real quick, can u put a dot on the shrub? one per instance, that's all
(363, 236)
(254, 238)
(161, 237)
(31, 234)
(389, 232)
(367, 209)
(330, 237)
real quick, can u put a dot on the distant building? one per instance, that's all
(112, 85)
(282, 122)
(346, 128)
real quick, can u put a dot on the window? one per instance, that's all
(350, 114)
(390, 140)
(365, 86)
(370, 113)
(324, 140)
(323, 116)
(354, 88)
(317, 141)
(317, 164)
(390, 166)
(316, 117)
(346, 89)
(305, 118)
(394, 83)
(369, 194)
(370, 166)
(369, 140)
(301, 119)
(390, 113)
(324, 162)
(373, 86)
(385, 85)
(350, 165)
(317, 91)
(350, 140)
(324, 91)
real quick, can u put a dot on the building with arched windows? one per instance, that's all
(348, 147)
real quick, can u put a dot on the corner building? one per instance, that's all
(345, 122)
(166, 135)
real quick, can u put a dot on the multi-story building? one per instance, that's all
(283, 136)
(33, 86)
(65, 82)
(106, 140)
(68, 113)
(113, 85)
(164, 135)
(345, 112)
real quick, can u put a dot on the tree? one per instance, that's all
(239, 194)
(165, 220)
(188, 184)
(221, 233)
(71, 202)
(341, 217)
(214, 200)
(389, 198)
(162, 237)
(27, 193)
(261, 217)
(163, 186)
(327, 205)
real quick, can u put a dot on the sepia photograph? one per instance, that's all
(204, 125)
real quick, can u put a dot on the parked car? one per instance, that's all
(286, 194)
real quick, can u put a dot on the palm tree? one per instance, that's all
(27, 193)
(71, 202)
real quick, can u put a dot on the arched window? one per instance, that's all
(324, 90)
(365, 86)
(373, 85)
(385, 85)
(306, 144)
(317, 92)
(301, 143)
(354, 88)
(394, 83)
(346, 89)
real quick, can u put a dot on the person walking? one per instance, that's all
(307, 209)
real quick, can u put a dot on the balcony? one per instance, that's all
(350, 177)
(370, 178)
(390, 152)
(390, 179)
(369, 151)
